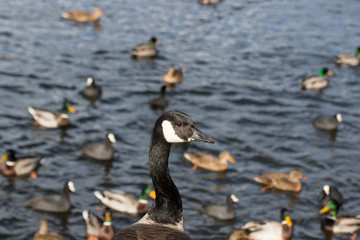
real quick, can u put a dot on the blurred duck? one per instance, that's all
(221, 212)
(316, 82)
(338, 224)
(145, 50)
(100, 151)
(281, 181)
(53, 203)
(159, 102)
(25, 165)
(327, 123)
(83, 16)
(266, 230)
(173, 75)
(348, 59)
(210, 162)
(124, 202)
(96, 227)
(44, 233)
(209, 2)
(51, 119)
(330, 193)
(92, 92)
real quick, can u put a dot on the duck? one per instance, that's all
(83, 16)
(44, 234)
(326, 122)
(330, 193)
(98, 228)
(50, 119)
(224, 213)
(209, 2)
(53, 203)
(164, 220)
(146, 50)
(266, 230)
(281, 181)
(100, 151)
(159, 102)
(338, 224)
(91, 92)
(173, 75)
(317, 82)
(124, 202)
(19, 166)
(348, 59)
(210, 162)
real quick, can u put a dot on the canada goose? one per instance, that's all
(348, 59)
(145, 50)
(330, 193)
(83, 16)
(100, 151)
(92, 92)
(164, 220)
(19, 166)
(159, 102)
(210, 162)
(316, 82)
(327, 123)
(281, 181)
(44, 233)
(173, 75)
(97, 227)
(221, 212)
(50, 119)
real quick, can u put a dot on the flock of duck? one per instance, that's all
(164, 219)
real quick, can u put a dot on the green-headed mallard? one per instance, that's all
(44, 233)
(210, 162)
(330, 193)
(98, 228)
(145, 50)
(173, 75)
(50, 119)
(348, 59)
(281, 181)
(159, 102)
(124, 202)
(100, 151)
(316, 82)
(92, 92)
(24, 165)
(326, 122)
(266, 230)
(83, 16)
(221, 212)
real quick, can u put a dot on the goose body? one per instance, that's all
(348, 59)
(221, 212)
(316, 82)
(146, 50)
(100, 151)
(164, 219)
(44, 233)
(173, 75)
(326, 122)
(92, 92)
(96, 227)
(159, 102)
(83, 16)
(210, 162)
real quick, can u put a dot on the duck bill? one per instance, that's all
(231, 159)
(71, 109)
(288, 221)
(330, 73)
(152, 194)
(324, 210)
(157, 42)
(4, 158)
(200, 137)
(304, 177)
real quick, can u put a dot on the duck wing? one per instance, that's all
(26, 165)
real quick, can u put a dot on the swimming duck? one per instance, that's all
(221, 212)
(210, 162)
(281, 181)
(266, 230)
(338, 224)
(100, 151)
(173, 75)
(124, 202)
(53, 203)
(159, 102)
(44, 233)
(92, 92)
(317, 82)
(96, 227)
(83, 16)
(330, 193)
(145, 50)
(209, 2)
(353, 60)
(164, 220)
(51, 119)
(25, 165)
(327, 123)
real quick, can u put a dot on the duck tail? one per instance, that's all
(257, 179)
(65, 15)
(32, 111)
(86, 215)
(99, 195)
(338, 60)
(187, 156)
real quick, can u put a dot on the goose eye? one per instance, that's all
(179, 124)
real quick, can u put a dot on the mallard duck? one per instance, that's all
(353, 60)
(50, 119)
(145, 50)
(96, 227)
(159, 102)
(25, 165)
(281, 181)
(53, 203)
(210, 162)
(44, 233)
(316, 82)
(209, 2)
(124, 202)
(83, 16)
(100, 151)
(221, 212)
(327, 123)
(330, 193)
(92, 92)
(173, 75)
(266, 230)
(164, 220)
(338, 224)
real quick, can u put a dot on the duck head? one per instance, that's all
(153, 41)
(67, 108)
(325, 71)
(332, 207)
(285, 217)
(147, 191)
(9, 157)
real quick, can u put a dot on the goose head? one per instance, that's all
(90, 81)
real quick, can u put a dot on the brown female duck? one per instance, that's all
(44, 233)
(83, 16)
(210, 162)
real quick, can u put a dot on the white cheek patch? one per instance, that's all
(71, 186)
(169, 133)
(112, 138)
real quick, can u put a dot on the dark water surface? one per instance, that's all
(243, 60)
